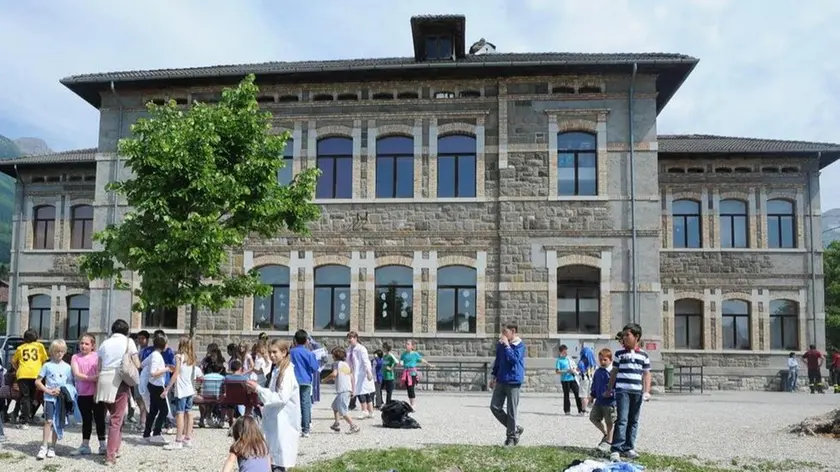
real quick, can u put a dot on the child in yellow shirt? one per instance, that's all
(27, 361)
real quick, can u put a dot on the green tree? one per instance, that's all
(205, 179)
(831, 267)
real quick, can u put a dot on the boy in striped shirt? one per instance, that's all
(630, 384)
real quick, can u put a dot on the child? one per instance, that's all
(602, 414)
(249, 453)
(793, 372)
(389, 362)
(630, 384)
(54, 375)
(567, 370)
(377, 370)
(245, 357)
(85, 367)
(281, 408)
(306, 373)
(154, 376)
(409, 360)
(344, 386)
(27, 362)
(182, 382)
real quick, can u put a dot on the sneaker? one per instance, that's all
(304, 434)
(169, 431)
(354, 429)
(614, 457)
(201, 424)
(22, 426)
(335, 427)
(174, 446)
(157, 440)
(519, 431)
(187, 442)
(604, 446)
(50, 453)
(42, 453)
(631, 454)
(81, 451)
(510, 442)
(568, 413)
(582, 413)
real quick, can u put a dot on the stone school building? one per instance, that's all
(463, 187)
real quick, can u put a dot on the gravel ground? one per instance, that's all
(722, 426)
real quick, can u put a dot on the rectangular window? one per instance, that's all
(456, 176)
(438, 47)
(577, 174)
(166, 318)
(336, 180)
(394, 177)
(688, 331)
(736, 331)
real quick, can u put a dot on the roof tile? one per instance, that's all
(706, 143)
(64, 157)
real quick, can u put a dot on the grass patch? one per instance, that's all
(10, 457)
(51, 468)
(467, 458)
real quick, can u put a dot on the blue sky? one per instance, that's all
(767, 68)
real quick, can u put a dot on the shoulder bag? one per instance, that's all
(128, 371)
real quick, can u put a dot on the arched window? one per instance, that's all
(456, 170)
(784, 325)
(577, 164)
(332, 298)
(733, 224)
(335, 161)
(161, 318)
(40, 311)
(456, 299)
(287, 172)
(44, 227)
(735, 324)
(781, 224)
(395, 167)
(81, 230)
(578, 299)
(394, 298)
(688, 324)
(272, 312)
(687, 226)
(78, 316)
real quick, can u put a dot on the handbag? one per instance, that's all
(128, 371)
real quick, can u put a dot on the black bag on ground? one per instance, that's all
(395, 415)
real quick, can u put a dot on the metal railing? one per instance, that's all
(466, 371)
(692, 372)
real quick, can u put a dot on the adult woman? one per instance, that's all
(110, 388)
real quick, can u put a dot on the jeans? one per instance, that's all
(793, 373)
(27, 400)
(628, 407)
(118, 409)
(91, 413)
(388, 385)
(506, 395)
(157, 412)
(305, 407)
(573, 387)
(377, 401)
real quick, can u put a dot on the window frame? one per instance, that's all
(85, 240)
(45, 226)
(457, 156)
(733, 217)
(168, 314)
(77, 313)
(782, 317)
(735, 318)
(688, 316)
(41, 311)
(394, 158)
(272, 324)
(579, 287)
(288, 162)
(457, 288)
(334, 159)
(439, 40)
(332, 287)
(576, 156)
(406, 284)
(778, 218)
(684, 217)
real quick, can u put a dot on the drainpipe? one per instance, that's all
(13, 322)
(634, 313)
(115, 197)
(812, 252)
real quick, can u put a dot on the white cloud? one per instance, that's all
(767, 66)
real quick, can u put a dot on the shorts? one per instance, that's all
(341, 403)
(365, 398)
(183, 405)
(49, 410)
(585, 384)
(605, 413)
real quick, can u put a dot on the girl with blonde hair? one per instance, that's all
(182, 382)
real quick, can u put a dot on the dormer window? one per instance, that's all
(438, 48)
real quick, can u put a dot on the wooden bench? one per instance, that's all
(232, 393)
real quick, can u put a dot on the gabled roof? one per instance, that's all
(711, 144)
(671, 71)
(75, 156)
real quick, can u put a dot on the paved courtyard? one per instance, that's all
(722, 426)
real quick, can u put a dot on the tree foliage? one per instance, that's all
(831, 268)
(205, 179)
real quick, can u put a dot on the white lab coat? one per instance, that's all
(361, 366)
(281, 418)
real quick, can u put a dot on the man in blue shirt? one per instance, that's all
(306, 372)
(508, 374)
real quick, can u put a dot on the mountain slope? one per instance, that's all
(8, 149)
(32, 146)
(831, 226)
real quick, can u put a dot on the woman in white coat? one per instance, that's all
(359, 361)
(281, 408)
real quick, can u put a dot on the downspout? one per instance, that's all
(13, 322)
(113, 218)
(634, 313)
(813, 255)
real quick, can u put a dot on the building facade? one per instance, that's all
(460, 191)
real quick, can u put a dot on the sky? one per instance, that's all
(767, 68)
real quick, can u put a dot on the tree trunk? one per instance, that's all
(828, 424)
(193, 320)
